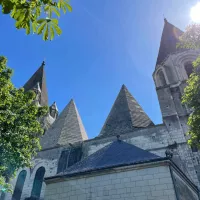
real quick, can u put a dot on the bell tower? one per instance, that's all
(172, 70)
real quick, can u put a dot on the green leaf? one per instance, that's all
(54, 9)
(69, 8)
(37, 11)
(51, 33)
(28, 29)
(18, 24)
(41, 27)
(64, 5)
(58, 30)
(55, 21)
(46, 31)
(41, 21)
(34, 27)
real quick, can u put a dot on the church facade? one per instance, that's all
(131, 158)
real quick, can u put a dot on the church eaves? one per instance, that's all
(125, 116)
(38, 77)
(169, 39)
(68, 128)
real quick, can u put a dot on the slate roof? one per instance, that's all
(68, 128)
(38, 76)
(169, 39)
(116, 154)
(125, 116)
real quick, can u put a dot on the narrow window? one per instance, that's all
(161, 78)
(189, 69)
(37, 184)
(19, 185)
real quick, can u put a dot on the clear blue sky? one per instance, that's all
(105, 43)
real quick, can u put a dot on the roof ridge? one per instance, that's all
(126, 90)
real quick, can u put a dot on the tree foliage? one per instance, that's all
(20, 128)
(191, 97)
(36, 16)
(191, 37)
(191, 40)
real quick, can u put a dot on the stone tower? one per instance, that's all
(173, 68)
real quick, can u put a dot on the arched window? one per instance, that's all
(19, 185)
(37, 184)
(161, 78)
(189, 69)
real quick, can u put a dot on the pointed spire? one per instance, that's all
(169, 39)
(38, 77)
(68, 128)
(125, 116)
(53, 109)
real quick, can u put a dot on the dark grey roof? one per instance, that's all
(169, 39)
(68, 128)
(117, 153)
(38, 77)
(125, 116)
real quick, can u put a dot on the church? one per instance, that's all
(131, 158)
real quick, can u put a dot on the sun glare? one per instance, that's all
(195, 13)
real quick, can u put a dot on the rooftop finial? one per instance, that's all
(43, 63)
(165, 20)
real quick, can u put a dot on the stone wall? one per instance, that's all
(137, 184)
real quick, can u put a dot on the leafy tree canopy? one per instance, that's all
(36, 16)
(191, 40)
(20, 128)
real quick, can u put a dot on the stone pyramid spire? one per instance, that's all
(38, 77)
(68, 128)
(125, 116)
(169, 39)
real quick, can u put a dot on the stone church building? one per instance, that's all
(131, 158)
